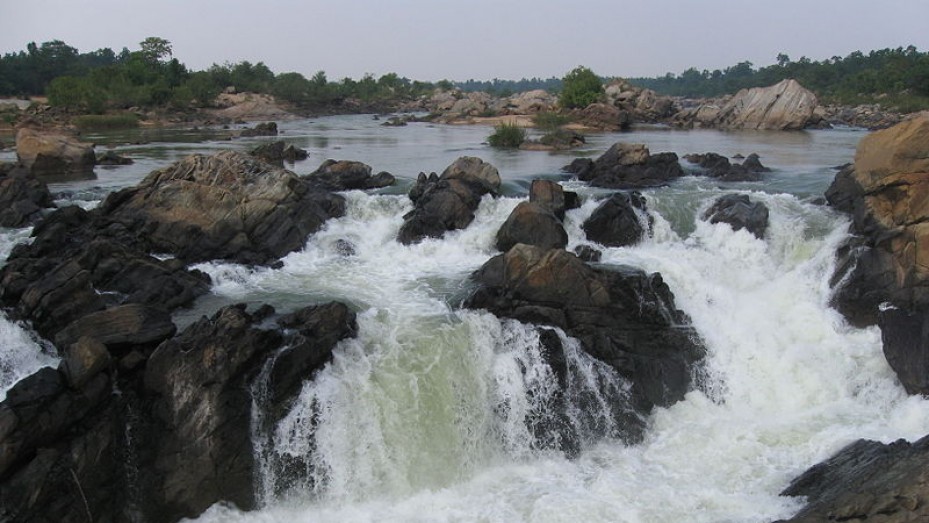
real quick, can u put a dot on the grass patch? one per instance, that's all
(550, 121)
(106, 121)
(507, 135)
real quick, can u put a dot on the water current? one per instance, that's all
(422, 417)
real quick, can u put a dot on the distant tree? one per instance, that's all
(155, 49)
(581, 87)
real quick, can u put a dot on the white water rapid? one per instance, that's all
(422, 417)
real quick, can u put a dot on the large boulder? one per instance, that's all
(740, 212)
(226, 206)
(603, 116)
(448, 202)
(628, 166)
(867, 481)
(22, 196)
(887, 194)
(345, 175)
(784, 106)
(54, 154)
(530, 102)
(277, 152)
(621, 220)
(622, 316)
(532, 224)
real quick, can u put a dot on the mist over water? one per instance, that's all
(430, 413)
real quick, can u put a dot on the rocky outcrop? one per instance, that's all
(867, 481)
(448, 202)
(54, 154)
(622, 316)
(717, 166)
(456, 105)
(740, 212)
(552, 196)
(603, 116)
(22, 196)
(278, 152)
(226, 206)
(176, 438)
(883, 271)
(784, 106)
(871, 117)
(344, 175)
(642, 105)
(628, 166)
(619, 221)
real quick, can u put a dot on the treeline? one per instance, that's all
(500, 87)
(890, 76)
(151, 77)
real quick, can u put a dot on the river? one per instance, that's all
(421, 417)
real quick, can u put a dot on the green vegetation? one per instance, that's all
(507, 135)
(581, 87)
(895, 78)
(549, 121)
(151, 77)
(106, 121)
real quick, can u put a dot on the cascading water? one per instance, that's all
(428, 415)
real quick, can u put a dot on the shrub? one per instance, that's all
(107, 121)
(581, 87)
(507, 135)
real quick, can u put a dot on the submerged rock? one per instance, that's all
(628, 166)
(112, 158)
(622, 316)
(448, 202)
(262, 129)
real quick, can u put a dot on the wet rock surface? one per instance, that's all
(627, 166)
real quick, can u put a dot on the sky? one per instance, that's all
(431, 40)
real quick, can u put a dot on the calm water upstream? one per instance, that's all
(410, 425)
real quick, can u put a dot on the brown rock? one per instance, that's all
(54, 153)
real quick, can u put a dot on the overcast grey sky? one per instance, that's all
(479, 39)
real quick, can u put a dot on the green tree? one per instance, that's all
(155, 49)
(580, 88)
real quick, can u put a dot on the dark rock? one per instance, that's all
(448, 202)
(199, 439)
(226, 206)
(348, 175)
(718, 166)
(532, 224)
(579, 166)
(740, 212)
(262, 129)
(587, 253)
(277, 152)
(83, 360)
(867, 481)
(630, 166)
(619, 221)
(317, 331)
(905, 335)
(621, 316)
(111, 158)
(22, 197)
(129, 325)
